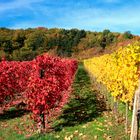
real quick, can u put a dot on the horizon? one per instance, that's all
(115, 15)
(67, 29)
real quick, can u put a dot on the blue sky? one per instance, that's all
(94, 15)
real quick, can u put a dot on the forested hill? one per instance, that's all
(25, 44)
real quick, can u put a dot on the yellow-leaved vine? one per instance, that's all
(118, 71)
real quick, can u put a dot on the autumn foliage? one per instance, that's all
(43, 84)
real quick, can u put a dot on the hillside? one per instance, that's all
(25, 44)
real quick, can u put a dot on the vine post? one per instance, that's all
(135, 119)
(126, 118)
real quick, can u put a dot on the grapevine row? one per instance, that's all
(43, 84)
(118, 71)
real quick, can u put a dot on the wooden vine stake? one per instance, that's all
(115, 109)
(136, 108)
(126, 119)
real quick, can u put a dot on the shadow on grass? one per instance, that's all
(11, 114)
(83, 106)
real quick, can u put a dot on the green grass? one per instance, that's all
(84, 118)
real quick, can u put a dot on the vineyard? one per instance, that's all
(119, 71)
(43, 85)
(69, 70)
(83, 117)
(56, 98)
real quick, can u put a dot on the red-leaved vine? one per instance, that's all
(43, 84)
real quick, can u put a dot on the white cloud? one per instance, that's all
(17, 4)
(96, 18)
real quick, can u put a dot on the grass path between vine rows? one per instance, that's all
(84, 118)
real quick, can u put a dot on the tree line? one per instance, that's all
(25, 44)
